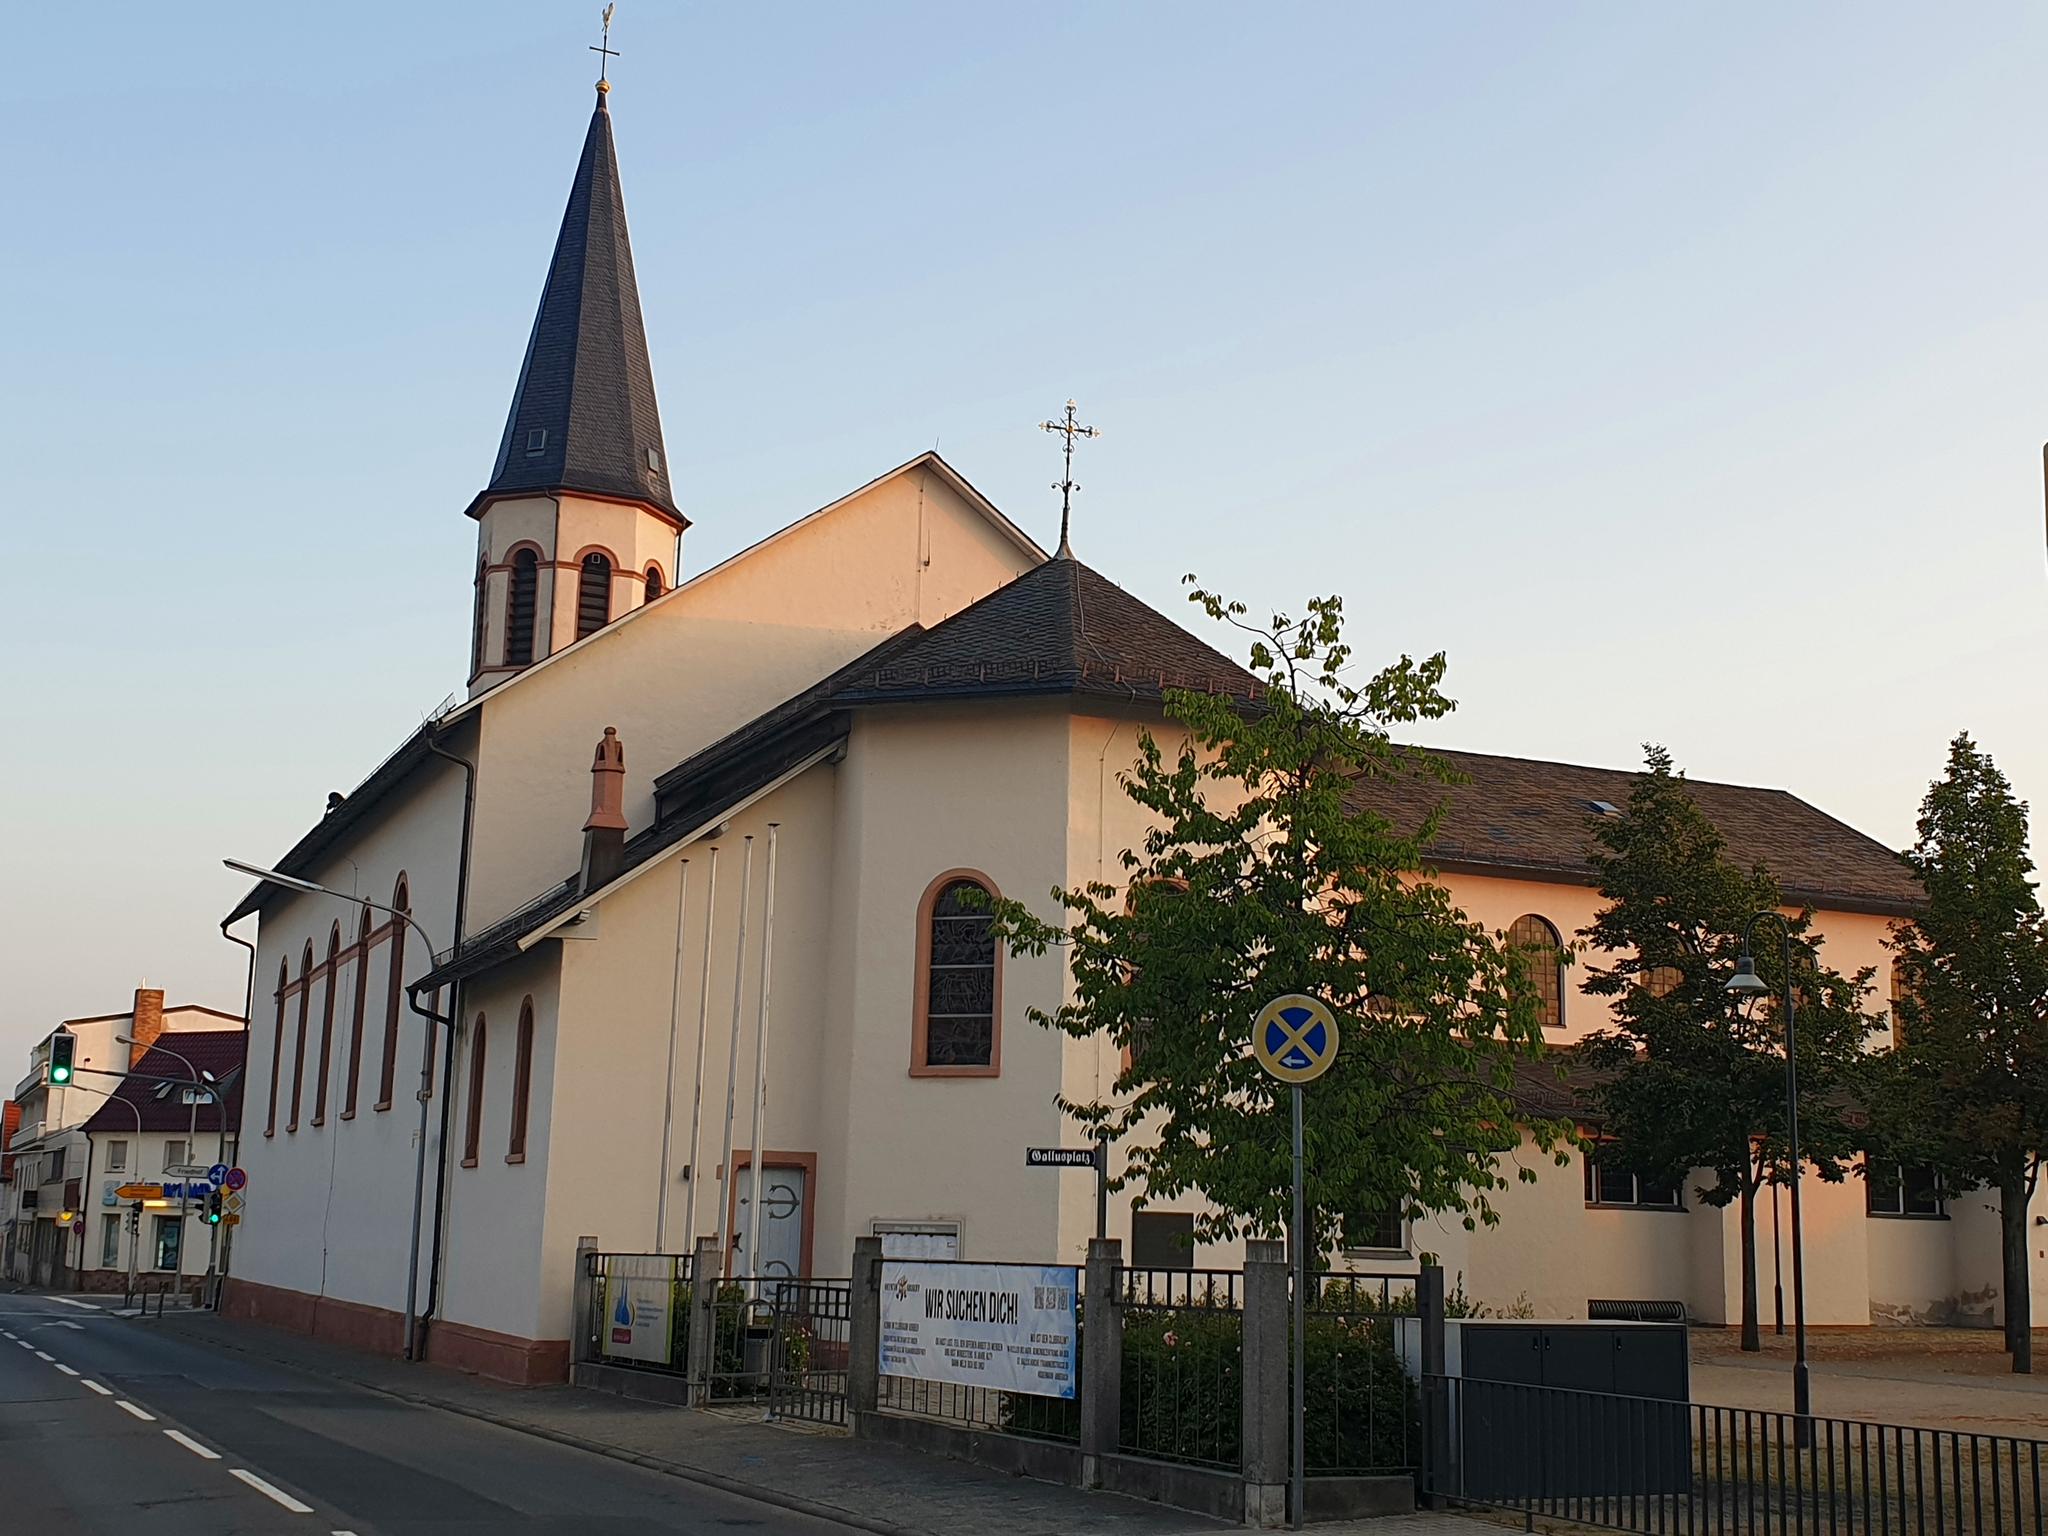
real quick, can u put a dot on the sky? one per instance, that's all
(1677, 370)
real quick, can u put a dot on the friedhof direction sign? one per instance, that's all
(1010, 1327)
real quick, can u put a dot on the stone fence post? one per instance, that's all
(583, 1295)
(864, 1331)
(1266, 1401)
(706, 1274)
(1102, 1358)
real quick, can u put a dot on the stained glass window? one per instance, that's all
(960, 982)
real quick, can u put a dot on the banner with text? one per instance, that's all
(1010, 1327)
(639, 1303)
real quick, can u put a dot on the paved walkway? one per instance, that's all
(870, 1487)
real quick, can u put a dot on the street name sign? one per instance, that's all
(1059, 1157)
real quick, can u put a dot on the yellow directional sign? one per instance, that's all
(1295, 1038)
(139, 1192)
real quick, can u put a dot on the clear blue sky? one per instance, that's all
(1678, 370)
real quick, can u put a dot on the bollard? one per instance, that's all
(1267, 1406)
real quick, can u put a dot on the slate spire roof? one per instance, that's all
(583, 415)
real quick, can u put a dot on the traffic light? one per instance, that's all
(213, 1209)
(62, 1044)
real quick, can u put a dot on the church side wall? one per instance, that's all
(329, 1205)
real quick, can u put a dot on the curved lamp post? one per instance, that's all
(1746, 983)
(419, 1174)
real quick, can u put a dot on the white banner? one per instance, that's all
(639, 1306)
(1010, 1327)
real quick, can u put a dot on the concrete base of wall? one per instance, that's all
(1048, 1460)
(1354, 1498)
(648, 1386)
(1202, 1490)
(380, 1331)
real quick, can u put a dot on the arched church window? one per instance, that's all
(1538, 940)
(394, 997)
(520, 604)
(284, 980)
(593, 595)
(473, 1130)
(653, 582)
(959, 980)
(355, 1027)
(522, 1084)
(326, 1026)
(299, 1053)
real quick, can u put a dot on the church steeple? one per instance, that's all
(584, 417)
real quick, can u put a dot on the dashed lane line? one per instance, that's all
(44, 1354)
(67, 1370)
(193, 1445)
(270, 1491)
(141, 1413)
(103, 1391)
(24, 1344)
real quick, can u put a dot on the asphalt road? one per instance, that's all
(109, 1425)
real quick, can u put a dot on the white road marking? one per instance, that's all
(141, 1413)
(67, 1370)
(45, 1355)
(270, 1492)
(65, 1322)
(103, 1391)
(24, 1343)
(192, 1445)
(6, 1334)
(87, 1306)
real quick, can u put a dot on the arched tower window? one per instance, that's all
(326, 1026)
(284, 980)
(476, 638)
(1538, 940)
(394, 997)
(299, 1055)
(520, 603)
(355, 1026)
(654, 587)
(522, 1084)
(474, 1128)
(955, 1031)
(593, 595)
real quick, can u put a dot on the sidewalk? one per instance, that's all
(869, 1487)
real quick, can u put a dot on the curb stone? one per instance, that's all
(795, 1503)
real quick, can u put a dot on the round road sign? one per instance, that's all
(236, 1178)
(217, 1174)
(1295, 1038)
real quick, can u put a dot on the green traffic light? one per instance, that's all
(62, 1046)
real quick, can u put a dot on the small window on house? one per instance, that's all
(1604, 807)
(536, 440)
(174, 1154)
(521, 601)
(522, 1084)
(473, 1130)
(1902, 1189)
(653, 582)
(654, 460)
(110, 1242)
(1382, 1231)
(117, 1157)
(593, 596)
(1608, 1183)
(1662, 980)
(1162, 1240)
(1538, 940)
(1901, 991)
(956, 1002)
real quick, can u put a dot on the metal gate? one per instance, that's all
(812, 1323)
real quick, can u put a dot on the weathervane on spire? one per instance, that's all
(1069, 429)
(605, 51)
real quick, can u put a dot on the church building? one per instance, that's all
(688, 870)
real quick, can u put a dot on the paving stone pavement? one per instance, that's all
(872, 1487)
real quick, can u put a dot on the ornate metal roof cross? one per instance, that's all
(604, 49)
(1069, 429)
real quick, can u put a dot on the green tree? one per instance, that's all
(1687, 1079)
(1968, 1085)
(1264, 874)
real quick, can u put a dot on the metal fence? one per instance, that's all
(1183, 1365)
(1652, 1466)
(610, 1274)
(812, 1322)
(1358, 1401)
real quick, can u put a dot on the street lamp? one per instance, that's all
(1746, 983)
(419, 1173)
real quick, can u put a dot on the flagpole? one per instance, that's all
(697, 1090)
(668, 1092)
(732, 1068)
(761, 1058)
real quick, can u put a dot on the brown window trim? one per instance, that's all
(522, 1083)
(473, 1127)
(510, 1157)
(284, 973)
(355, 1029)
(921, 986)
(394, 991)
(320, 1078)
(299, 1054)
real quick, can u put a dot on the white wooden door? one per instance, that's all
(783, 1194)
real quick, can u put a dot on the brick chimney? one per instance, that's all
(149, 1022)
(604, 834)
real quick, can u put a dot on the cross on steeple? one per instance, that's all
(604, 50)
(1068, 428)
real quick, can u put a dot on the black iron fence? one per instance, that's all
(1652, 1466)
(1358, 1402)
(811, 1322)
(1183, 1365)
